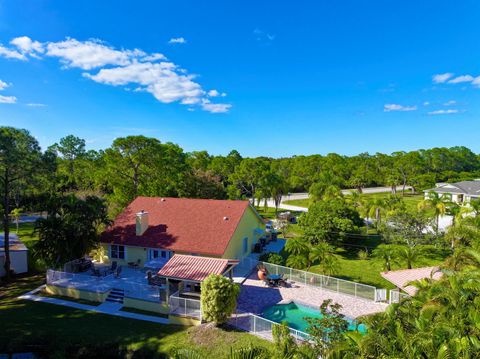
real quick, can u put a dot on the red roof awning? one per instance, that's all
(193, 268)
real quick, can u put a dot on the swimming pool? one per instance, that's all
(294, 313)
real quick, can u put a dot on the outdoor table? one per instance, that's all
(275, 278)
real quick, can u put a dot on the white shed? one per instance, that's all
(18, 255)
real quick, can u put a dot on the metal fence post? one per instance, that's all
(355, 290)
(254, 323)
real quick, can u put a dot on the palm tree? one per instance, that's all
(387, 254)
(438, 203)
(329, 266)
(297, 261)
(15, 213)
(409, 255)
(297, 246)
(319, 253)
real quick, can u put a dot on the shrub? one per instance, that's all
(271, 257)
(219, 298)
(363, 254)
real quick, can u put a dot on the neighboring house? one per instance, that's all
(154, 229)
(18, 255)
(460, 192)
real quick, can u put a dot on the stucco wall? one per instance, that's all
(18, 262)
(249, 222)
(132, 254)
(157, 307)
(78, 294)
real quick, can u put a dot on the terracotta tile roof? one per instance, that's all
(192, 267)
(401, 278)
(200, 226)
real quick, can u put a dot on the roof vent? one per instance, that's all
(225, 218)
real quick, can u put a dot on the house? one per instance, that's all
(460, 192)
(18, 255)
(153, 229)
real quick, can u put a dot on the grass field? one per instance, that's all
(52, 329)
(58, 331)
(411, 200)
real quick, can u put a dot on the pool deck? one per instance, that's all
(255, 296)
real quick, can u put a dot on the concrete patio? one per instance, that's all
(255, 296)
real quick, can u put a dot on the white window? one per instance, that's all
(159, 253)
(117, 252)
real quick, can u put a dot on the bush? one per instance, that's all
(273, 258)
(219, 298)
(363, 254)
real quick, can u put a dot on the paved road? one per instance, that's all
(293, 196)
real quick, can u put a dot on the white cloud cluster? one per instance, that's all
(443, 112)
(6, 99)
(450, 79)
(177, 40)
(141, 71)
(450, 103)
(395, 107)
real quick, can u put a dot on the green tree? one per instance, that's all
(387, 254)
(285, 345)
(20, 158)
(329, 221)
(218, 298)
(439, 204)
(15, 213)
(71, 229)
(409, 255)
(327, 331)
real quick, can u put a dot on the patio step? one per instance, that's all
(116, 296)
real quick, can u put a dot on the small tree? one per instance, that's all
(15, 213)
(284, 344)
(219, 298)
(328, 331)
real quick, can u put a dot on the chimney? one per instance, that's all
(141, 223)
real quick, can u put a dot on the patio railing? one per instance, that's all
(185, 307)
(333, 284)
(132, 289)
(261, 327)
(396, 296)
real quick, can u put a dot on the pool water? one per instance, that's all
(293, 313)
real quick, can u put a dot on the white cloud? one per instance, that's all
(443, 112)
(461, 79)
(11, 54)
(27, 46)
(476, 81)
(3, 85)
(177, 40)
(154, 57)
(215, 107)
(36, 105)
(441, 78)
(215, 93)
(426, 103)
(8, 99)
(90, 54)
(261, 35)
(142, 72)
(395, 107)
(450, 103)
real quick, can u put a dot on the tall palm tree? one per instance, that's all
(297, 261)
(387, 254)
(439, 205)
(409, 255)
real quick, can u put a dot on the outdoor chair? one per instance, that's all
(119, 270)
(113, 267)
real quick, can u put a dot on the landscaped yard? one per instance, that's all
(33, 326)
(411, 200)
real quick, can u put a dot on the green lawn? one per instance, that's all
(368, 271)
(59, 331)
(411, 200)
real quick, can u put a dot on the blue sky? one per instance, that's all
(274, 78)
